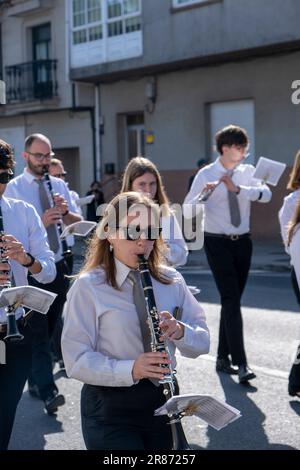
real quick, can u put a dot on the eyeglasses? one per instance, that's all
(134, 232)
(41, 156)
(60, 175)
(6, 176)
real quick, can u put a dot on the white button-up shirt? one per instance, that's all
(25, 188)
(102, 337)
(216, 208)
(286, 213)
(22, 221)
(171, 232)
(295, 252)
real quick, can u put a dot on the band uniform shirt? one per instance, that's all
(22, 221)
(102, 337)
(295, 252)
(25, 188)
(286, 213)
(216, 208)
(171, 232)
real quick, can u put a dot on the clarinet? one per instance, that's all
(13, 333)
(66, 249)
(178, 436)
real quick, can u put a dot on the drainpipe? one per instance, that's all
(97, 134)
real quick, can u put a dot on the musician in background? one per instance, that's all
(287, 212)
(102, 340)
(142, 175)
(57, 169)
(25, 244)
(31, 187)
(227, 241)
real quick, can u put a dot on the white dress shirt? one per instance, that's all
(178, 252)
(22, 221)
(216, 208)
(295, 252)
(102, 337)
(286, 213)
(25, 188)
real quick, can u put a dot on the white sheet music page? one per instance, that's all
(268, 170)
(213, 411)
(81, 228)
(85, 200)
(27, 296)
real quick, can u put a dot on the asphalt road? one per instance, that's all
(270, 418)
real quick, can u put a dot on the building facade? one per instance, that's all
(156, 78)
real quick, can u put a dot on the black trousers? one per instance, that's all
(121, 418)
(41, 373)
(229, 261)
(13, 376)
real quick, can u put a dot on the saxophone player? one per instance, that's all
(25, 245)
(104, 342)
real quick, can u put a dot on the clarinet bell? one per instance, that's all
(13, 334)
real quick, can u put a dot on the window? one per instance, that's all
(95, 19)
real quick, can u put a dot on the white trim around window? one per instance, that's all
(186, 3)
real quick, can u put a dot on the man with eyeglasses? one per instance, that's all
(24, 243)
(226, 187)
(54, 207)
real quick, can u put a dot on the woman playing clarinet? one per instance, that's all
(105, 343)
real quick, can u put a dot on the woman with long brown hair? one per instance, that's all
(103, 344)
(143, 176)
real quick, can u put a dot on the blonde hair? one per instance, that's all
(294, 181)
(292, 226)
(137, 167)
(99, 253)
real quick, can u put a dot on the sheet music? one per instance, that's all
(269, 171)
(81, 228)
(213, 411)
(28, 296)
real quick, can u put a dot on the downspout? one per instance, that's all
(98, 161)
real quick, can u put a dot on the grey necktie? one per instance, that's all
(51, 229)
(139, 301)
(234, 209)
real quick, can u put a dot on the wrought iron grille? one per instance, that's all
(31, 81)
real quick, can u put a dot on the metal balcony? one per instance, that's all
(31, 81)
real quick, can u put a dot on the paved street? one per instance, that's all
(270, 418)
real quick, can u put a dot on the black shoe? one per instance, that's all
(34, 391)
(224, 365)
(245, 374)
(293, 392)
(53, 401)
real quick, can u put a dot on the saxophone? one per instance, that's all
(178, 436)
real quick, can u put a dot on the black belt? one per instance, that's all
(232, 237)
(20, 322)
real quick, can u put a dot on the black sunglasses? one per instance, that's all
(60, 175)
(134, 232)
(6, 176)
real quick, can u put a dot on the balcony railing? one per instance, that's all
(31, 81)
